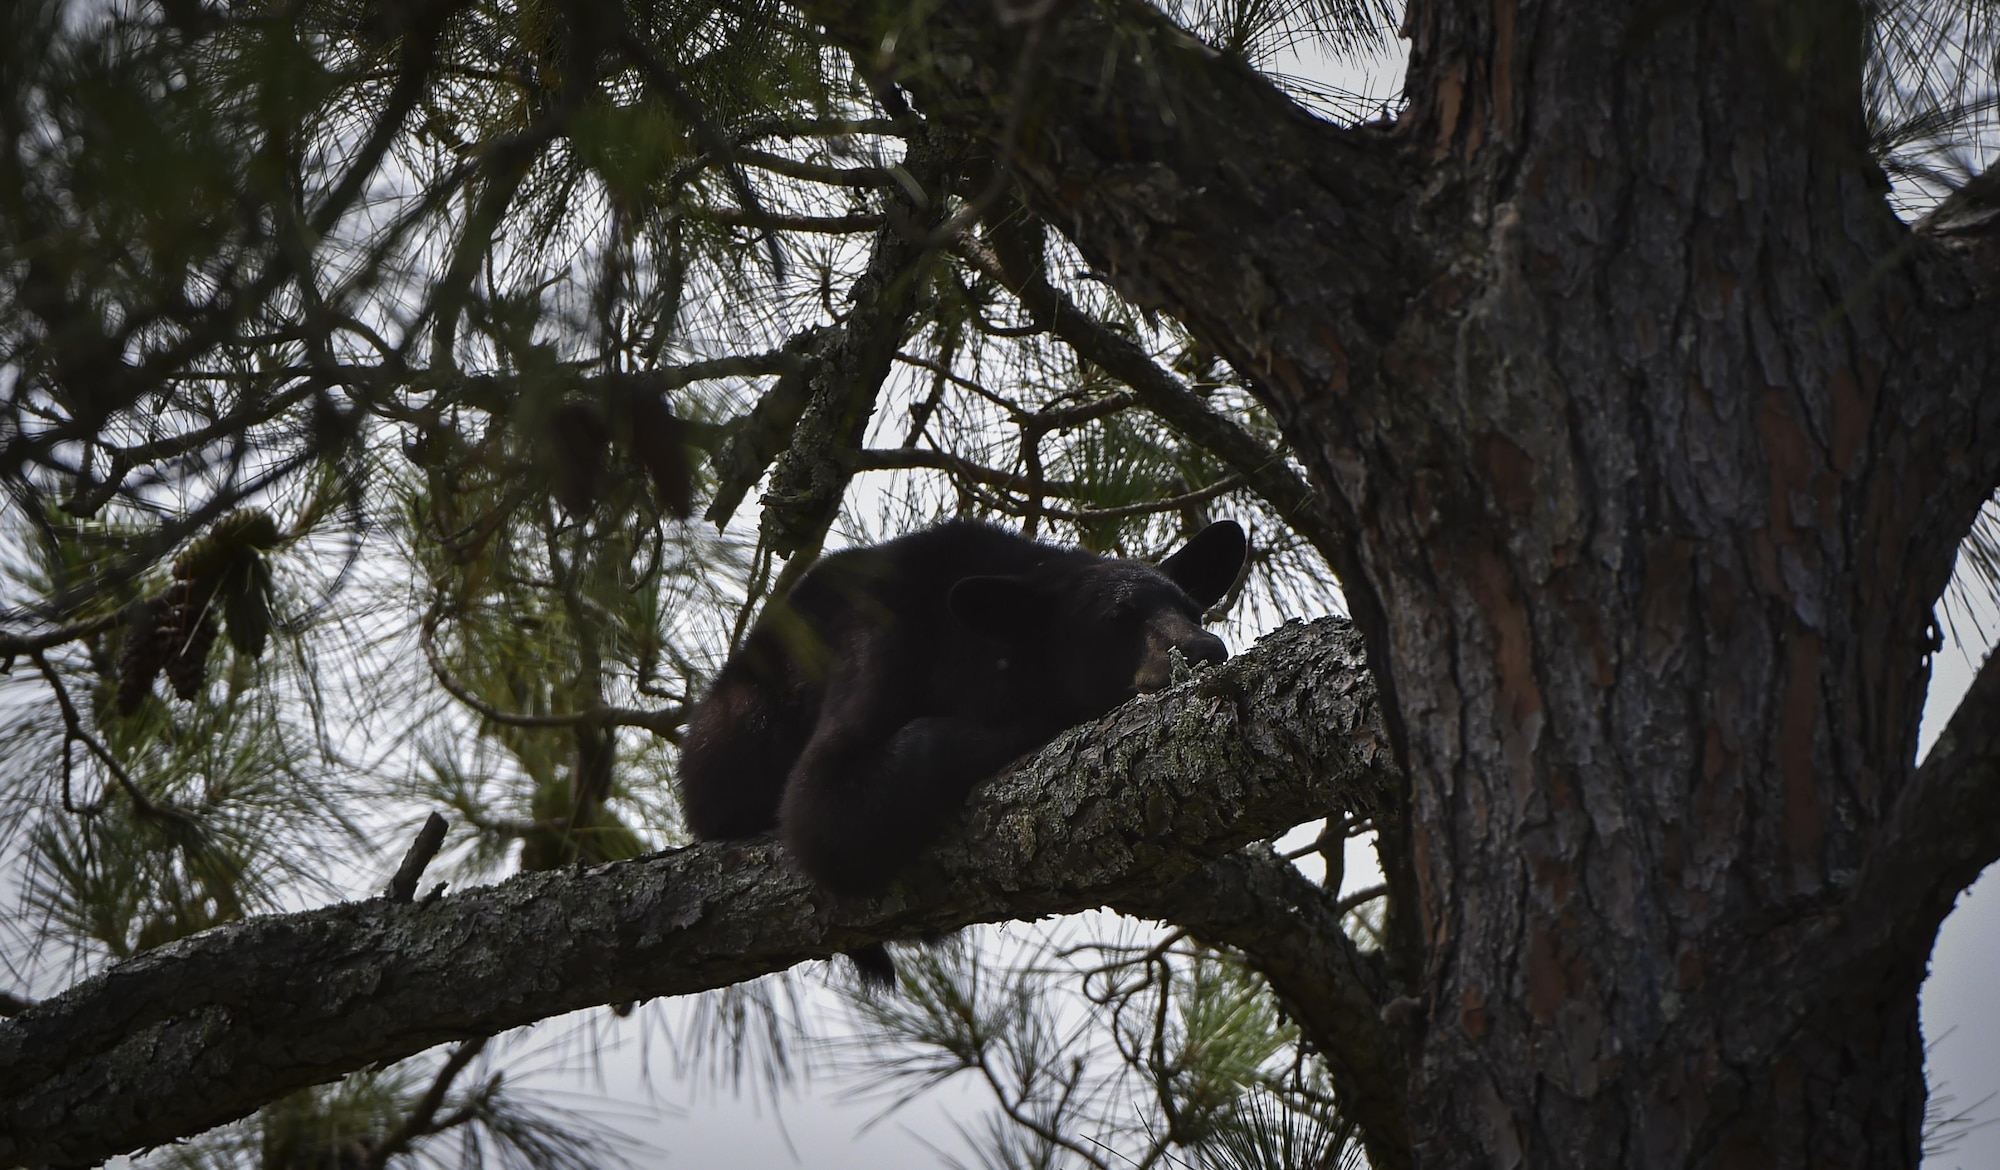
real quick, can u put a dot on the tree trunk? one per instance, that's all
(1654, 433)
(1655, 605)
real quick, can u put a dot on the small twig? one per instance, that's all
(920, 458)
(12, 644)
(497, 392)
(422, 1120)
(832, 176)
(1360, 898)
(963, 382)
(664, 722)
(515, 827)
(788, 128)
(1031, 456)
(403, 887)
(73, 732)
(1337, 831)
(1060, 417)
(426, 636)
(832, 225)
(1223, 486)
(1013, 1108)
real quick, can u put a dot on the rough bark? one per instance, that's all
(206, 1029)
(1656, 433)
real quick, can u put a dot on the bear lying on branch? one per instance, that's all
(867, 703)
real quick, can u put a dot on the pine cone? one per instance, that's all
(187, 668)
(147, 648)
(210, 556)
(659, 444)
(579, 440)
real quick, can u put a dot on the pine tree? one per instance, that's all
(434, 393)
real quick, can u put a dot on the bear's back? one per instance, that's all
(889, 603)
(897, 596)
(914, 573)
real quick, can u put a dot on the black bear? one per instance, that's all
(867, 703)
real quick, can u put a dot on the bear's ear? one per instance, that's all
(1007, 608)
(1206, 566)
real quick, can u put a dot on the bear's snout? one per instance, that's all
(1195, 644)
(1203, 647)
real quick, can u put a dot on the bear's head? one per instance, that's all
(1092, 632)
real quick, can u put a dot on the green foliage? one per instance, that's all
(400, 1113)
(1931, 94)
(1123, 1051)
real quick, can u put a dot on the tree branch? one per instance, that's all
(1946, 827)
(422, 1120)
(1289, 929)
(12, 644)
(816, 172)
(1035, 509)
(403, 886)
(208, 1028)
(911, 458)
(780, 222)
(1944, 830)
(1967, 223)
(809, 476)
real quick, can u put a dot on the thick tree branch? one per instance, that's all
(1944, 831)
(1289, 929)
(208, 1028)
(1967, 224)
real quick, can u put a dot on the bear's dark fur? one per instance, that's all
(866, 705)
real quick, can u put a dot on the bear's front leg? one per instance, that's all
(856, 812)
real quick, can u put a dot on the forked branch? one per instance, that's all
(1290, 930)
(1946, 828)
(1944, 831)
